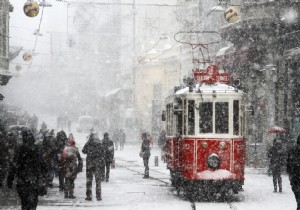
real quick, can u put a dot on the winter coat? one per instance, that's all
(95, 152)
(145, 148)
(71, 161)
(60, 143)
(276, 155)
(109, 149)
(293, 165)
(48, 148)
(28, 167)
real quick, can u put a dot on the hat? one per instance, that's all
(27, 137)
(71, 142)
(106, 134)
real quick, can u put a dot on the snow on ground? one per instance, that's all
(127, 190)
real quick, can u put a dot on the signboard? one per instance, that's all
(211, 75)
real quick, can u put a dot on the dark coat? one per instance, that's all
(145, 148)
(109, 149)
(293, 165)
(276, 155)
(48, 148)
(95, 152)
(27, 167)
(60, 143)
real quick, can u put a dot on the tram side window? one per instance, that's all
(206, 117)
(179, 122)
(221, 114)
(236, 124)
(169, 119)
(191, 118)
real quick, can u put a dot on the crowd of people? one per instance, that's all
(42, 156)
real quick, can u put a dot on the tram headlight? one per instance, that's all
(213, 161)
(222, 145)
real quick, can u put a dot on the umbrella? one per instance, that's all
(276, 129)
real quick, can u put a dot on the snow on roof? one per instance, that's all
(208, 88)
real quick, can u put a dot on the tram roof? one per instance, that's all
(209, 88)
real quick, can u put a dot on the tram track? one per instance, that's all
(166, 184)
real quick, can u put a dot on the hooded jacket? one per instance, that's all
(95, 152)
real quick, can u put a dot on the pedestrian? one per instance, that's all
(95, 152)
(161, 143)
(116, 139)
(109, 156)
(61, 140)
(145, 153)
(29, 170)
(44, 127)
(48, 150)
(122, 138)
(293, 170)
(71, 166)
(276, 156)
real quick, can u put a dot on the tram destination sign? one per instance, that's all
(211, 75)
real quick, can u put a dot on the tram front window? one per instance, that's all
(221, 113)
(206, 117)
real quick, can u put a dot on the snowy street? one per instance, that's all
(127, 190)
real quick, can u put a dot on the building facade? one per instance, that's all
(262, 54)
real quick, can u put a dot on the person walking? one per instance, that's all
(145, 153)
(109, 156)
(61, 140)
(293, 170)
(28, 169)
(71, 164)
(44, 127)
(95, 152)
(122, 137)
(276, 156)
(116, 138)
(48, 150)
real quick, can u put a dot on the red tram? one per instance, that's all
(205, 147)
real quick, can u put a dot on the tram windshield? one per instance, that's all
(221, 112)
(206, 117)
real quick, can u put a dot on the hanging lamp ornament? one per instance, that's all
(231, 15)
(27, 56)
(31, 8)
